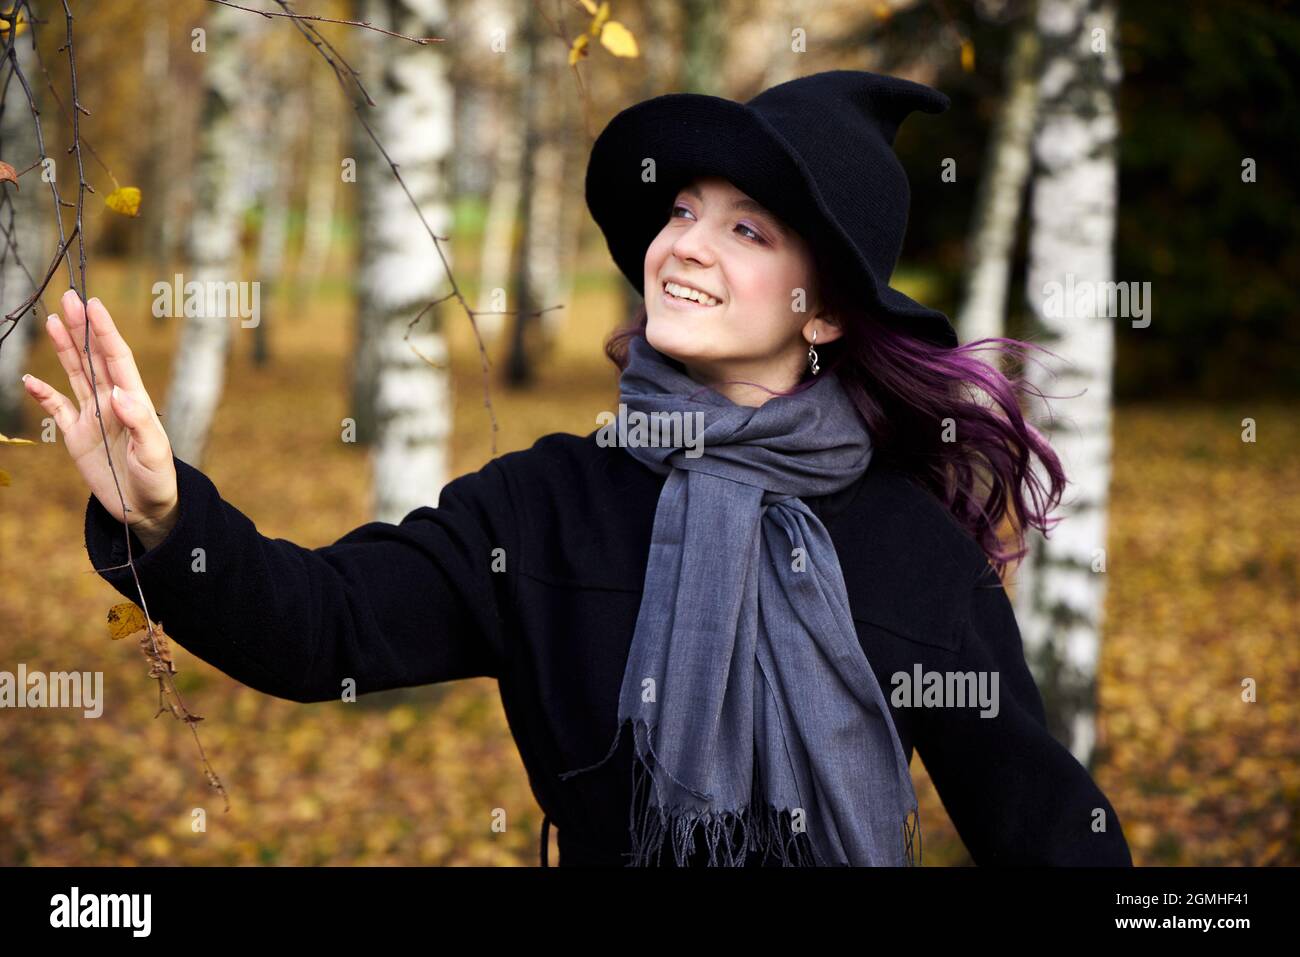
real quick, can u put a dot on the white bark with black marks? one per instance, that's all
(213, 243)
(399, 271)
(1059, 598)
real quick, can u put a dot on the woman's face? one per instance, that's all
(759, 273)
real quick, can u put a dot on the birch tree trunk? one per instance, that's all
(213, 241)
(1060, 592)
(399, 271)
(497, 250)
(545, 254)
(159, 173)
(25, 249)
(997, 208)
(280, 150)
(322, 188)
(519, 368)
(568, 229)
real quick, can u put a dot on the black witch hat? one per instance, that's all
(817, 151)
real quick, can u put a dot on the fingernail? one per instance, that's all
(121, 396)
(26, 376)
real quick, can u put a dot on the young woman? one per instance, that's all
(775, 564)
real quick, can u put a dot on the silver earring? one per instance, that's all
(812, 355)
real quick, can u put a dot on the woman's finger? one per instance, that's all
(52, 401)
(150, 448)
(75, 316)
(117, 354)
(70, 358)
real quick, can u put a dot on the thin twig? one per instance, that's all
(354, 23)
(166, 684)
(14, 316)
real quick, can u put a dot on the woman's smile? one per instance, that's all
(676, 301)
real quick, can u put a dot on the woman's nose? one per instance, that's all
(694, 245)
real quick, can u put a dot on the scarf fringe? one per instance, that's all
(760, 827)
(763, 827)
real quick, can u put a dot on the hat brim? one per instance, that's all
(649, 151)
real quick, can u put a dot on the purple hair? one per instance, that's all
(905, 388)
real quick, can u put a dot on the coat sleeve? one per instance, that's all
(387, 605)
(1016, 795)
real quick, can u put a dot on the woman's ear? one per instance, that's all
(827, 327)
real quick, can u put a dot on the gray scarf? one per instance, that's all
(751, 701)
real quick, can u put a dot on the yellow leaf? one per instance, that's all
(591, 7)
(4, 478)
(5, 440)
(578, 50)
(125, 618)
(967, 55)
(618, 39)
(22, 25)
(124, 200)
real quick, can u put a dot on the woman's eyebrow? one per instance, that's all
(746, 204)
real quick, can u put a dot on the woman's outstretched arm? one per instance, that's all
(385, 606)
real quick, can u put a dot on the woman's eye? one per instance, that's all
(752, 233)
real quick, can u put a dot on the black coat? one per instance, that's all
(420, 602)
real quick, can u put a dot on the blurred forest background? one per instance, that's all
(241, 151)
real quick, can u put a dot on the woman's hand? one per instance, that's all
(141, 452)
